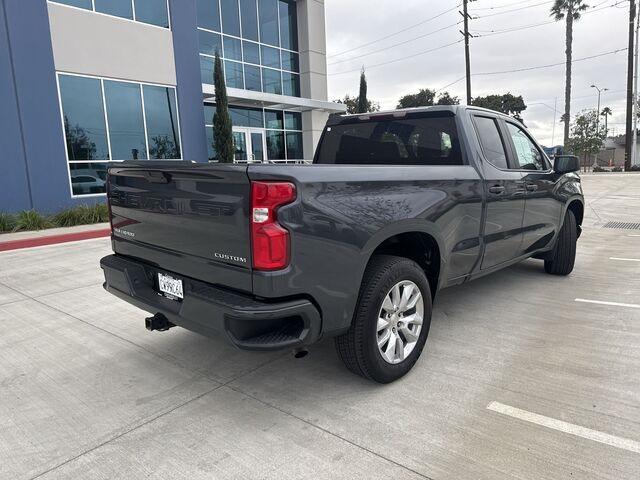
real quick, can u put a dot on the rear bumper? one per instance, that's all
(242, 320)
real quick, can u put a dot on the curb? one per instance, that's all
(53, 239)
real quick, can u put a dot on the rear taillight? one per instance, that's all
(269, 240)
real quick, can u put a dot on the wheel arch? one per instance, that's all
(418, 244)
(576, 206)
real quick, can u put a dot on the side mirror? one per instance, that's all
(566, 164)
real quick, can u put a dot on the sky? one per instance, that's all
(352, 24)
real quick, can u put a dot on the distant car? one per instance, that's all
(396, 206)
(83, 184)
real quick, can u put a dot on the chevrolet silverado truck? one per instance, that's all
(396, 206)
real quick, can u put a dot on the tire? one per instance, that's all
(563, 256)
(358, 348)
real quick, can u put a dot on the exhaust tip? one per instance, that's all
(300, 352)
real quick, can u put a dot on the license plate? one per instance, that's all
(170, 286)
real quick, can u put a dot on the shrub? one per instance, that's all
(635, 168)
(7, 222)
(616, 169)
(599, 169)
(82, 215)
(31, 220)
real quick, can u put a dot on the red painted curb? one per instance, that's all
(53, 239)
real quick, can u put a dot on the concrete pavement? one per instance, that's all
(87, 392)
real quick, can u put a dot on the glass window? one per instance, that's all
(273, 119)
(206, 70)
(119, 8)
(233, 74)
(162, 122)
(294, 146)
(292, 120)
(270, 57)
(246, 117)
(88, 178)
(232, 49)
(528, 155)
(77, 3)
(269, 22)
(153, 12)
(249, 14)
(291, 84)
(252, 78)
(83, 114)
(426, 140)
(288, 25)
(209, 14)
(211, 151)
(230, 17)
(290, 61)
(491, 141)
(251, 52)
(209, 110)
(275, 145)
(271, 81)
(210, 43)
(126, 124)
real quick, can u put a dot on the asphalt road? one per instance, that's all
(517, 380)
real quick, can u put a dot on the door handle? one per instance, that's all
(496, 190)
(531, 187)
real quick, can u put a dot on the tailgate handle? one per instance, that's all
(157, 177)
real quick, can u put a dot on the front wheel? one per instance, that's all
(392, 320)
(563, 256)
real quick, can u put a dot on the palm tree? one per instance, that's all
(570, 11)
(606, 111)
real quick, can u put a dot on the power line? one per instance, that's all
(399, 59)
(504, 6)
(526, 69)
(395, 44)
(395, 33)
(512, 10)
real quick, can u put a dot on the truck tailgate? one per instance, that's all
(191, 219)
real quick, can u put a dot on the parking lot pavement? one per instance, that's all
(517, 380)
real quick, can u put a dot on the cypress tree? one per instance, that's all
(222, 127)
(363, 103)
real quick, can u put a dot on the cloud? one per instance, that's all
(351, 23)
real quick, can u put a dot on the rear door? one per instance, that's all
(542, 213)
(190, 219)
(504, 188)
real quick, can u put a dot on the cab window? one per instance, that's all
(528, 156)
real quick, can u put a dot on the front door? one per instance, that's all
(249, 144)
(543, 211)
(504, 188)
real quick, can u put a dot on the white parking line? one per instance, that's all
(613, 304)
(625, 259)
(633, 235)
(570, 428)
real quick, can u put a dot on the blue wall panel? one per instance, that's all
(33, 66)
(185, 45)
(14, 187)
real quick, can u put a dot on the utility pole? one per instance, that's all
(600, 90)
(467, 35)
(629, 129)
(634, 145)
(553, 133)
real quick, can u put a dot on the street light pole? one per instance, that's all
(600, 90)
(634, 145)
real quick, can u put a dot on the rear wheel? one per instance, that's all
(392, 320)
(563, 255)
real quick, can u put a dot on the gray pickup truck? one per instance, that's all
(396, 206)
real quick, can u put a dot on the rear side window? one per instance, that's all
(491, 141)
(429, 140)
